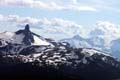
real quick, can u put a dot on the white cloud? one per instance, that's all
(107, 30)
(104, 5)
(55, 26)
(108, 27)
(76, 5)
(64, 28)
(51, 5)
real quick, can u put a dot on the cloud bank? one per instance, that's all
(69, 5)
(107, 30)
(55, 26)
(64, 28)
(50, 5)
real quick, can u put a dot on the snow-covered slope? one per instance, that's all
(12, 37)
(96, 41)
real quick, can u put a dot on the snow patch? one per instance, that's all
(38, 41)
(91, 52)
(18, 38)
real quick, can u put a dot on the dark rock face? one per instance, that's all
(27, 28)
(28, 35)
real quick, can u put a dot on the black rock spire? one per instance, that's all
(27, 27)
(28, 39)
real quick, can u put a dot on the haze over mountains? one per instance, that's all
(104, 37)
(95, 42)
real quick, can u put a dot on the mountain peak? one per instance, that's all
(27, 27)
(28, 36)
(78, 37)
(28, 39)
(24, 31)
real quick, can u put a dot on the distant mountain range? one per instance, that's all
(24, 53)
(94, 42)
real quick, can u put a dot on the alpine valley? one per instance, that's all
(26, 54)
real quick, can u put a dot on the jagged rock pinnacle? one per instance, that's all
(28, 35)
(27, 28)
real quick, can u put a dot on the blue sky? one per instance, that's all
(83, 13)
(83, 17)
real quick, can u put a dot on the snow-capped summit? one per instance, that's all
(28, 37)
(91, 42)
(78, 37)
(77, 42)
(21, 42)
(24, 36)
